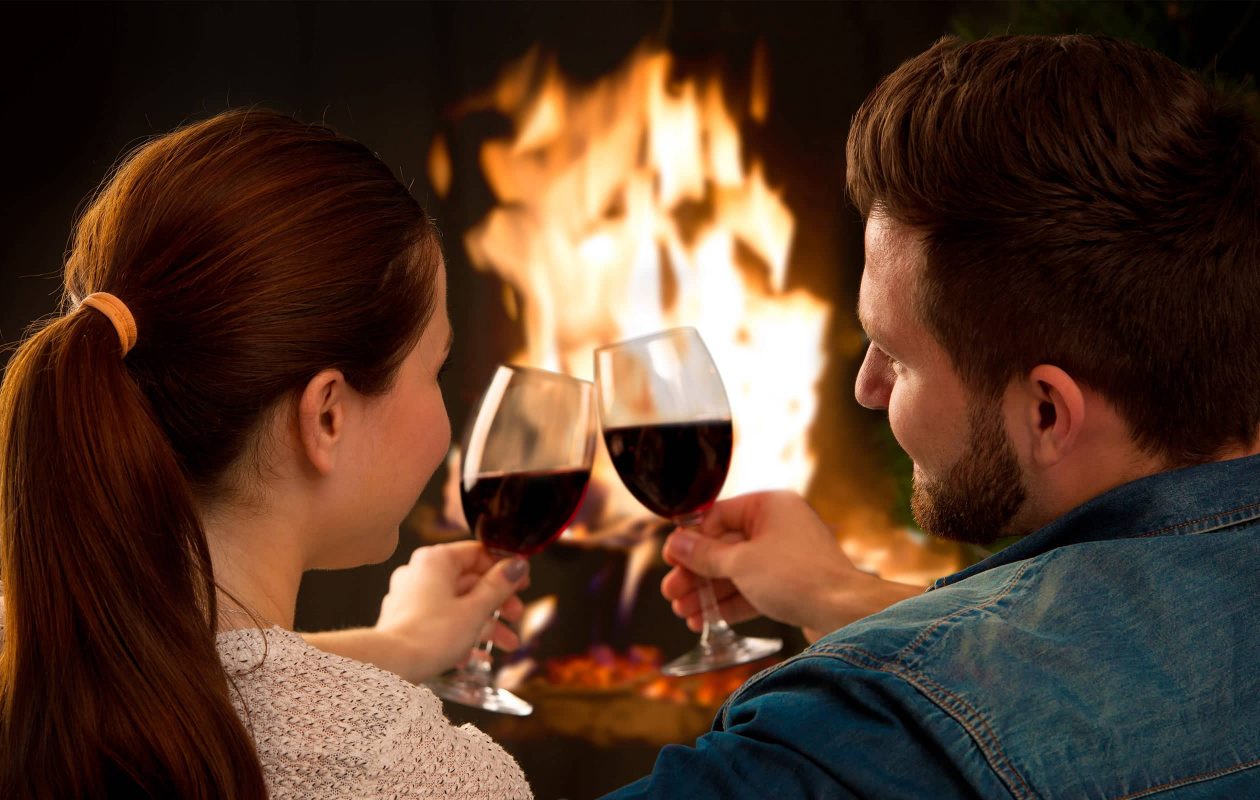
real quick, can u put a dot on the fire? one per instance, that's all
(622, 207)
(535, 619)
(638, 670)
(602, 668)
(629, 206)
(537, 616)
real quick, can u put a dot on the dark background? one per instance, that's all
(85, 83)
(88, 82)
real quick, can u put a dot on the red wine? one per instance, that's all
(674, 469)
(522, 512)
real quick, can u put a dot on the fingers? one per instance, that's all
(512, 610)
(504, 638)
(679, 587)
(466, 555)
(677, 583)
(710, 557)
(744, 513)
(734, 610)
(498, 585)
(681, 582)
(512, 572)
(735, 514)
(396, 578)
(464, 583)
(460, 563)
(687, 604)
(733, 606)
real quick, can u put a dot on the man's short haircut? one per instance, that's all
(1083, 202)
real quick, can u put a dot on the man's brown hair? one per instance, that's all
(1083, 202)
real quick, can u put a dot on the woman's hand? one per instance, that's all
(439, 606)
(441, 603)
(769, 554)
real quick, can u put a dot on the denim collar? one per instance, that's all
(1189, 500)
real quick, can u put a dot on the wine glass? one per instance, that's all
(527, 460)
(667, 425)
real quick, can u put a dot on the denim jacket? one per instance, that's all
(1115, 653)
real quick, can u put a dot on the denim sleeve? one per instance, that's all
(819, 727)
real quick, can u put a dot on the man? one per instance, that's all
(1062, 295)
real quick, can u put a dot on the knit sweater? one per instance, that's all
(329, 727)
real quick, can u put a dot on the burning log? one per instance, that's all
(610, 698)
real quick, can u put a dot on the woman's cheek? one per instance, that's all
(445, 436)
(437, 436)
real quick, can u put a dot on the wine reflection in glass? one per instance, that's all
(527, 460)
(667, 425)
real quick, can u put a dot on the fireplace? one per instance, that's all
(608, 170)
(593, 210)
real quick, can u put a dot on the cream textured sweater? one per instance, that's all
(329, 727)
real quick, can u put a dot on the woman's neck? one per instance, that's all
(258, 565)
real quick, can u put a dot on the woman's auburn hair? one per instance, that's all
(1084, 202)
(253, 251)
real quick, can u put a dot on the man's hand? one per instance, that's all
(769, 554)
(439, 606)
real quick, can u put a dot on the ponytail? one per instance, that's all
(254, 251)
(110, 683)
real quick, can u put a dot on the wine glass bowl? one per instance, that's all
(527, 461)
(676, 470)
(667, 426)
(521, 513)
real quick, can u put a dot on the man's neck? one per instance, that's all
(1094, 474)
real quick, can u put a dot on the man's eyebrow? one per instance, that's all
(875, 337)
(863, 321)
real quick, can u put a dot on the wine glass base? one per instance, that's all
(708, 657)
(490, 698)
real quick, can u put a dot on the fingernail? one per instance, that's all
(682, 543)
(516, 569)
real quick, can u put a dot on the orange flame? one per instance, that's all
(629, 206)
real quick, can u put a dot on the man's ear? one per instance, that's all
(1052, 410)
(322, 418)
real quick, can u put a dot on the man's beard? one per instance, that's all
(981, 493)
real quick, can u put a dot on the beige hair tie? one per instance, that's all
(118, 314)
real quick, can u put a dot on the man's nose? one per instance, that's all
(873, 385)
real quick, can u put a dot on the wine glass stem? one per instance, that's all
(476, 670)
(715, 632)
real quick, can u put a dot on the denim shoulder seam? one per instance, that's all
(984, 739)
(953, 706)
(724, 711)
(1218, 515)
(929, 630)
(1179, 782)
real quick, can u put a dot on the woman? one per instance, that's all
(243, 386)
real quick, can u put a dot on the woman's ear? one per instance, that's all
(321, 419)
(1051, 407)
